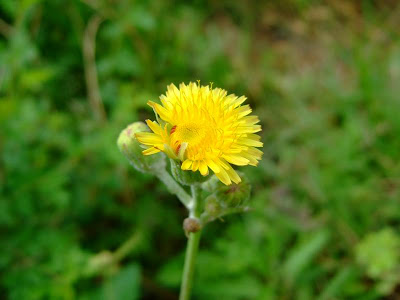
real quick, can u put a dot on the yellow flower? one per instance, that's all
(205, 129)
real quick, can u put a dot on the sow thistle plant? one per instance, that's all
(204, 131)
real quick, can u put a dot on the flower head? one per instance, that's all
(204, 128)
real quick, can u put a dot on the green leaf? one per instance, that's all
(336, 285)
(171, 273)
(125, 285)
(303, 254)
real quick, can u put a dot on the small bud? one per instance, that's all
(234, 195)
(191, 225)
(212, 206)
(212, 184)
(131, 148)
(225, 200)
(186, 177)
(229, 196)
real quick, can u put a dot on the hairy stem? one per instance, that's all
(175, 188)
(192, 248)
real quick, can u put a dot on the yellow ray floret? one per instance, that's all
(205, 129)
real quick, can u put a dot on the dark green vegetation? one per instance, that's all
(324, 79)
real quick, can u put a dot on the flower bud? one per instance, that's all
(212, 184)
(230, 196)
(234, 195)
(131, 148)
(212, 206)
(225, 200)
(186, 177)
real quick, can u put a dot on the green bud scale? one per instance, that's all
(186, 177)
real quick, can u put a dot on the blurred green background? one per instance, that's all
(77, 222)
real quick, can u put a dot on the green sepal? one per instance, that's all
(186, 177)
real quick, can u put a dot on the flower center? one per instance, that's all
(190, 133)
(194, 139)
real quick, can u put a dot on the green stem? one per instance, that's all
(192, 248)
(195, 210)
(188, 271)
(175, 188)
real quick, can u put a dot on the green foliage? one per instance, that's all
(124, 285)
(379, 252)
(323, 78)
(302, 255)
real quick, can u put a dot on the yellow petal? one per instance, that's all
(170, 153)
(222, 162)
(224, 177)
(249, 129)
(252, 159)
(148, 138)
(254, 151)
(166, 103)
(233, 175)
(254, 137)
(250, 120)
(236, 159)
(186, 164)
(243, 111)
(203, 168)
(150, 151)
(195, 166)
(162, 111)
(173, 89)
(182, 149)
(249, 142)
(238, 101)
(213, 166)
(154, 127)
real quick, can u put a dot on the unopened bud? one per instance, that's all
(213, 206)
(132, 149)
(229, 196)
(212, 184)
(225, 200)
(234, 195)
